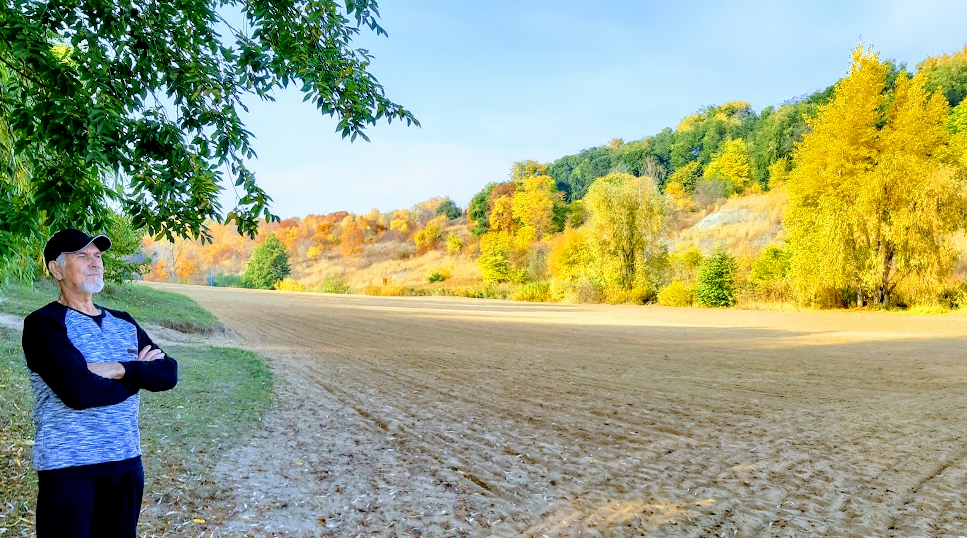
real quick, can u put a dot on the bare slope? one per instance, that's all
(446, 417)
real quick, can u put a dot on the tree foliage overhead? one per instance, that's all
(149, 93)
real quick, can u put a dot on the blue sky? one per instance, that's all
(501, 81)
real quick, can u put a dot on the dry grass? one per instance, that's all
(745, 226)
(393, 267)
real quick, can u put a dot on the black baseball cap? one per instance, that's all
(71, 240)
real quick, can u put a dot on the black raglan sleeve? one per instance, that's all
(50, 354)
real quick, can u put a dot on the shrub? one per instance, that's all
(676, 294)
(438, 275)
(489, 292)
(588, 290)
(493, 262)
(535, 292)
(334, 284)
(391, 290)
(454, 245)
(769, 272)
(716, 281)
(288, 284)
(772, 265)
(228, 281)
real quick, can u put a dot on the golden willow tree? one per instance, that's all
(626, 217)
(877, 190)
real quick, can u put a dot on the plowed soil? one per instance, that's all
(456, 417)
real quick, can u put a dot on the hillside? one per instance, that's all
(623, 221)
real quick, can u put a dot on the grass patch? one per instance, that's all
(222, 394)
(220, 391)
(18, 481)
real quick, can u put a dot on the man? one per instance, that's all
(87, 364)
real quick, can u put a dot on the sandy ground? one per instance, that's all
(453, 417)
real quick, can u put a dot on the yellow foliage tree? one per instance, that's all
(686, 175)
(678, 197)
(570, 263)
(494, 262)
(533, 203)
(874, 197)
(502, 215)
(626, 217)
(732, 165)
(454, 244)
(778, 172)
(430, 236)
(524, 169)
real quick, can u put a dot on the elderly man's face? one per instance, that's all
(83, 270)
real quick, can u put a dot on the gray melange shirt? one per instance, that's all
(82, 418)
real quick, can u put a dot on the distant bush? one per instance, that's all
(676, 294)
(288, 284)
(228, 281)
(716, 281)
(438, 275)
(535, 292)
(385, 291)
(454, 244)
(487, 292)
(334, 284)
(587, 290)
(769, 272)
(773, 264)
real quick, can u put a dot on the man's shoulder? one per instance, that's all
(50, 311)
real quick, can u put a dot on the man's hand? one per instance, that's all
(148, 354)
(114, 370)
(110, 370)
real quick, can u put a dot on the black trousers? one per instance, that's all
(72, 505)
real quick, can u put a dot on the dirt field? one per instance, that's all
(454, 417)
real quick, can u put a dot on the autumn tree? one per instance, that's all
(571, 266)
(502, 215)
(877, 190)
(454, 244)
(534, 202)
(731, 165)
(524, 169)
(351, 240)
(494, 261)
(430, 236)
(626, 217)
(269, 264)
(958, 118)
(686, 176)
(401, 222)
